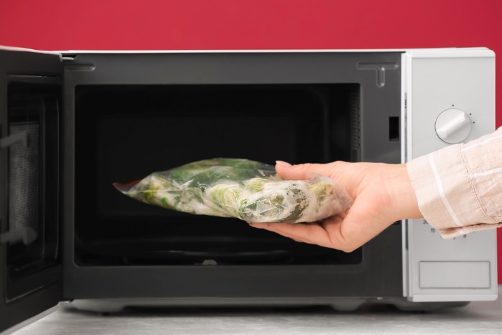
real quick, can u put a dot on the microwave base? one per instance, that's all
(339, 304)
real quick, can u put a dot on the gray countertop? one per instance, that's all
(476, 318)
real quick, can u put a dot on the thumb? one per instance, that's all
(300, 171)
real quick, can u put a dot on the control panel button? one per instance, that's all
(453, 125)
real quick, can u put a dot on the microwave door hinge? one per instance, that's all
(11, 139)
(25, 234)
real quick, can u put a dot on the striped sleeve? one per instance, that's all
(459, 188)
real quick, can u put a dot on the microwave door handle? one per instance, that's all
(11, 139)
(25, 234)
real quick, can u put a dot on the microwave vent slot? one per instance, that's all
(355, 121)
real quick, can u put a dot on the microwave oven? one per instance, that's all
(72, 123)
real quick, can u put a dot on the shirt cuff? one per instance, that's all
(445, 195)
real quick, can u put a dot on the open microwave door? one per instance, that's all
(30, 112)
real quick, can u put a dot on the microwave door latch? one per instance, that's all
(11, 139)
(25, 234)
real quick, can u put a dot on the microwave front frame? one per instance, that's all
(380, 100)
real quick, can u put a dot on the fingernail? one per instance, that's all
(283, 164)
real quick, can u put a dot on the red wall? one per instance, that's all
(256, 24)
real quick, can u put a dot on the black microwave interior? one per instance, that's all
(125, 132)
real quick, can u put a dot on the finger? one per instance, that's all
(308, 233)
(291, 230)
(363, 222)
(300, 171)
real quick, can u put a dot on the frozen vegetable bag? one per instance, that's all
(240, 188)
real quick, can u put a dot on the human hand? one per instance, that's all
(382, 194)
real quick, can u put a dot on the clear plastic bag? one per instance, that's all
(240, 188)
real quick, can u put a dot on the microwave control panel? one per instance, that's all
(448, 97)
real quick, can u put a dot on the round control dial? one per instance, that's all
(453, 125)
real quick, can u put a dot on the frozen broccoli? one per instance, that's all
(240, 188)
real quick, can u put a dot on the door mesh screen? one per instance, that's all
(24, 178)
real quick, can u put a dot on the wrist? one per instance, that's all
(403, 197)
